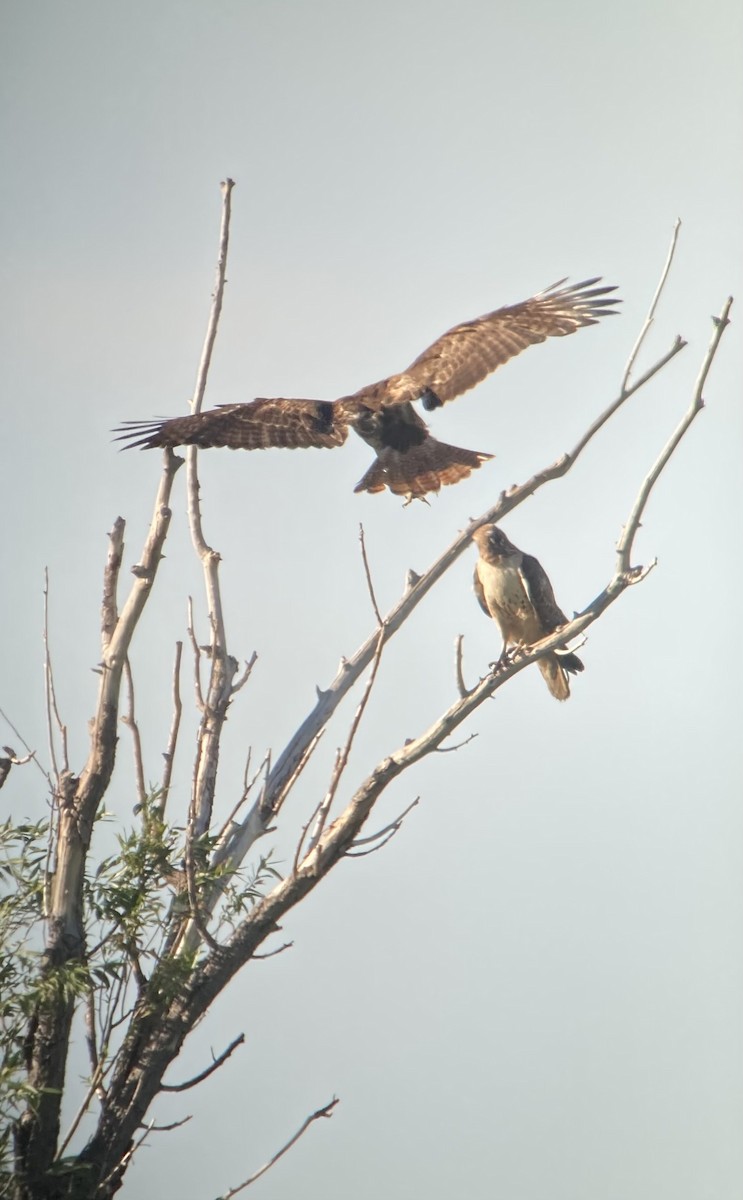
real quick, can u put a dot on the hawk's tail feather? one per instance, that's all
(570, 662)
(554, 676)
(421, 469)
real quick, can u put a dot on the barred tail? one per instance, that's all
(555, 668)
(421, 469)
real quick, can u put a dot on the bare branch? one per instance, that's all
(94, 1088)
(129, 719)
(52, 712)
(13, 760)
(30, 754)
(272, 953)
(248, 785)
(152, 1128)
(223, 666)
(243, 679)
(290, 782)
(326, 1111)
(601, 420)
(216, 308)
(458, 675)
(90, 1038)
(119, 1168)
(457, 746)
(367, 572)
(175, 725)
(197, 657)
(653, 305)
(342, 758)
(624, 547)
(382, 836)
(109, 605)
(216, 1064)
(381, 843)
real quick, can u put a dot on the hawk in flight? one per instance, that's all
(409, 461)
(514, 590)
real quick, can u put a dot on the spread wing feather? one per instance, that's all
(469, 352)
(258, 425)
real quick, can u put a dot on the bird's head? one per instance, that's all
(492, 541)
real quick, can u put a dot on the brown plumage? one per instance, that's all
(514, 590)
(410, 462)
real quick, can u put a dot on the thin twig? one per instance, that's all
(129, 718)
(367, 572)
(290, 782)
(31, 753)
(92, 1090)
(223, 666)
(457, 746)
(326, 1111)
(17, 761)
(90, 1038)
(216, 308)
(175, 725)
(381, 837)
(119, 1169)
(601, 420)
(152, 1128)
(352, 853)
(248, 785)
(197, 656)
(52, 712)
(243, 679)
(458, 674)
(221, 1058)
(653, 305)
(109, 604)
(343, 755)
(272, 953)
(697, 404)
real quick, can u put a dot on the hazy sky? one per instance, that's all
(535, 990)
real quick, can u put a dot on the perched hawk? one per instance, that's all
(514, 590)
(409, 461)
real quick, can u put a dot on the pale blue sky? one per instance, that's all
(536, 989)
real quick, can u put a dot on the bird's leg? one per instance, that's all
(502, 662)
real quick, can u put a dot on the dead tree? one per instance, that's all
(175, 914)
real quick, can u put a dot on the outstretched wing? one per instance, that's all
(258, 425)
(469, 352)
